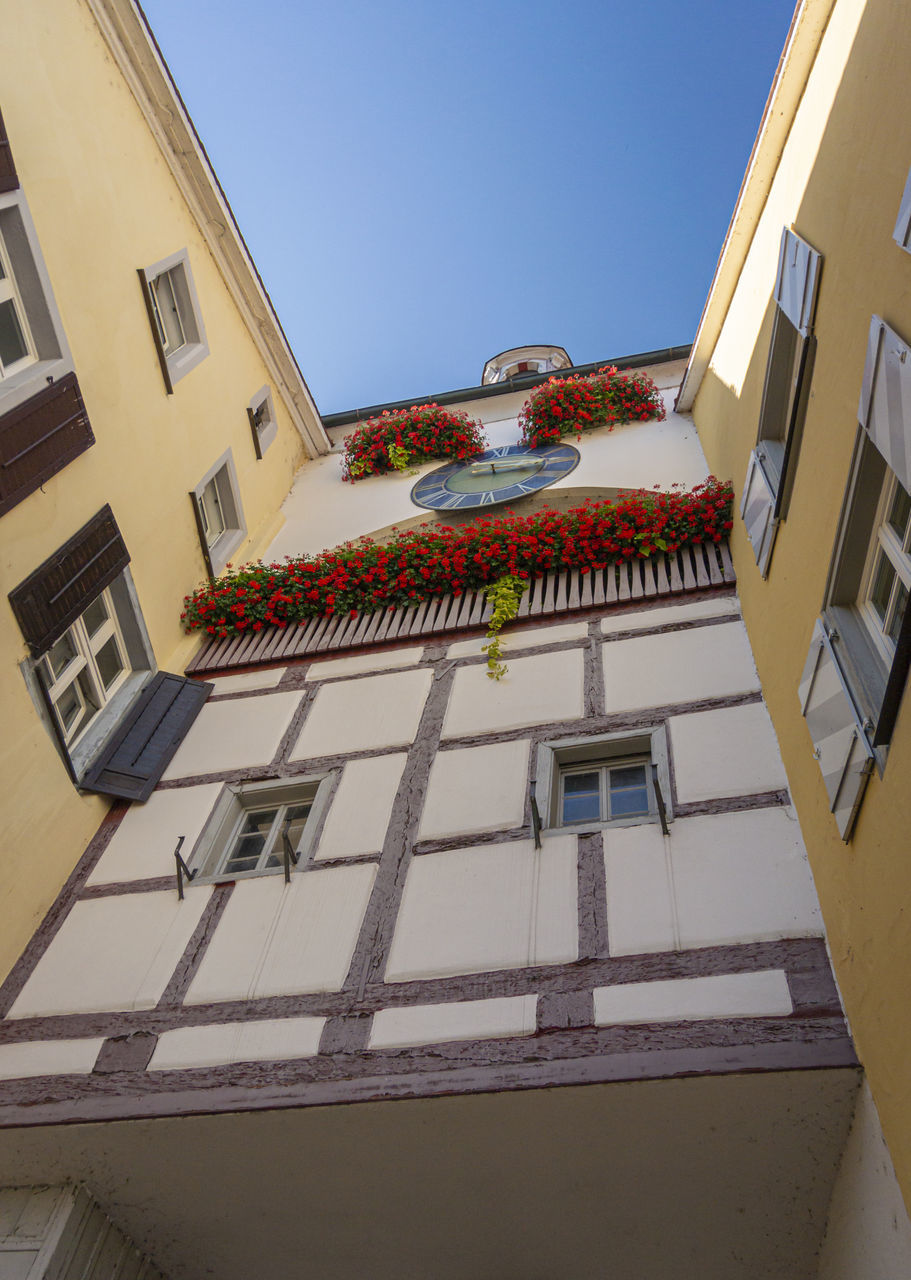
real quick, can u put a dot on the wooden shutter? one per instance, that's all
(39, 437)
(840, 744)
(8, 178)
(757, 508)
(254, 427)
(797, 281)
(902, 233)
(885, 398)
(144, 744)
(53, 597)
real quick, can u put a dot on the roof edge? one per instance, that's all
(662, 356)
(128, 35)
(801, 47)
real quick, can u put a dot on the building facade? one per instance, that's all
(382, 966)
(141, 363)
(798, 385)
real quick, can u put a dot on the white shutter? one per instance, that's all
(797, 281)
(902, 233)
(885, 398)
(757, 507)
(840, 744)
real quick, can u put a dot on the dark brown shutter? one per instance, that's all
(254, 427)
(53, 597)
(8, 179)
(143, 746)
(39, 437)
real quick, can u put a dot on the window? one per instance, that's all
(117, 722)
(33, 347)
(902, 233)
(174, 313)
(17, 347)
(84, 668)
(609, 780)
(860, 654)
(263, 423)
(219, 515)
(770, 472)
(259, 828)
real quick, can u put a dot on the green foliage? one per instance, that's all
(505, 595)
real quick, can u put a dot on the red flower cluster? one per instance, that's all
(562, 405)
(436, 560)
(398, 438)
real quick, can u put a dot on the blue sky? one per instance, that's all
(423, 184)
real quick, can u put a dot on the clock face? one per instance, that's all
(504, 474)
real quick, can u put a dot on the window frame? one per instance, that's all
(176, 362)
(83, 667)
(221, 479)
(216, 842)
(51, 358)
(604, 752)
(263, 422)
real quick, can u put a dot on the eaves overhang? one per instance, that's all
(522, 383)
(801, 47)
(129, 38)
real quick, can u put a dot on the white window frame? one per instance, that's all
(263, 422)
(886, 545)
(82, 674)
(29, 286)
(81, 745)
(219, 488)
(602, 752)
(177, 360)
(221, 833)
(9, 294)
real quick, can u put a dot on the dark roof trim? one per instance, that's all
(523, 383)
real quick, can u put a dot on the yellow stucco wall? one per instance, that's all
(839, 185)
(104, 204)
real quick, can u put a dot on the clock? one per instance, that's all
(504, 474)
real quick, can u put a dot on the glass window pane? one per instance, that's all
(69, 706)
(170, 327)
(581, 797)
(628, 790)
(250, 842)
(881, 588)
(900, 511)
(898, 613)
(95, 615)
(110, 663)
(61, 655)
(212, 516)
(13, 346)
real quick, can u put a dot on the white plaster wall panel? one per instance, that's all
(500, 906)
(248, 680)
(357, 715)
(362, 807)
(742, 877)
(716, 607)
(234, 734)
(476, 789)
(361, 662)
(535, 690)
(112, 953)
(276, 939)
(681, 666)
(48, 1058)
(143, 845)
(640, 455)
(729, 752)
(526, 639)
(868, 1233)
(763, 994)
(640, 905)
(268, 1040)
(460, 1020)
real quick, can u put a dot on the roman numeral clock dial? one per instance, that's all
(504, 474)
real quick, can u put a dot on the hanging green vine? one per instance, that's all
(505, 595)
